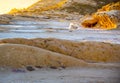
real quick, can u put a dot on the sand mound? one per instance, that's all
(16, 55)
(87, 51)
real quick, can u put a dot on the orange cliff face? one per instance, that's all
(108, 17)
(7, 5)
(40, 6)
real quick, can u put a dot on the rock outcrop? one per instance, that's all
(87, 51)
(5, 19)
(61, 7)
(40, 6)
(17, 55)
(108, 17)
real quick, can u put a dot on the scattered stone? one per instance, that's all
(38, 67)
(30, 68)
(53, 67)
(18, 70)
(63, 67)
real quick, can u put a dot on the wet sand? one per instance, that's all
(56, 29)
(68, 75)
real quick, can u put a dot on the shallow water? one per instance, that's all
(55, 29)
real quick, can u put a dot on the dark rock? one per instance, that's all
(18, 70)
(63, 67)
(53, 67)
(30, 68)
(38, 66)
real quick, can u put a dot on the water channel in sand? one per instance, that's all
(55, 29)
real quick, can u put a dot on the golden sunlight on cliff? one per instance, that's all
(40, 6)
(106, 18)
(7, 5)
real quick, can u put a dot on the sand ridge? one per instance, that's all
(87, 51)
(16, 55)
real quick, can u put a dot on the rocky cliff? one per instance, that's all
(69, 6)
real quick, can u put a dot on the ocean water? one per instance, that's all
(56, 29)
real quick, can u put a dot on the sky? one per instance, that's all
(7, 5)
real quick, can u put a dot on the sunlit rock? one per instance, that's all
(4, 19)
(108, 17)
(18, 55)
(87, 51)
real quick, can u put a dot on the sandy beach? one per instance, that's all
(38, 43)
